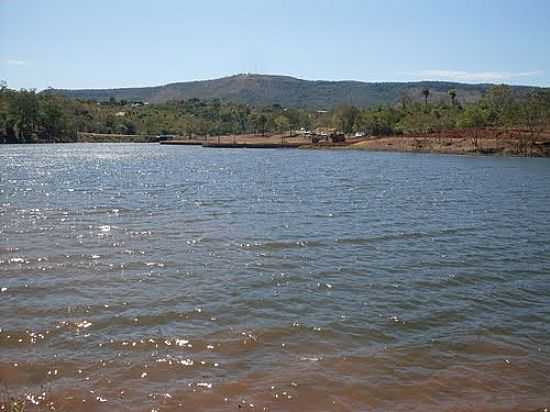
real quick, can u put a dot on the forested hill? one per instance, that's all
(263, 90)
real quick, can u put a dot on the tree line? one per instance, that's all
(30, 117)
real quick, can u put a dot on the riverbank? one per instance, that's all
(265, 141)
(485, 141)
(515, 142)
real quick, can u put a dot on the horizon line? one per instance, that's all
(295, 77)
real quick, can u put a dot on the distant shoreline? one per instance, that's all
(481, 141)
(515, 142)
(456, 145)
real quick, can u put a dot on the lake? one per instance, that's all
(158, 278)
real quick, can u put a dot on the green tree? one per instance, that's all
(24, 111)
(382, 122)
(282, 123)
(474, 116)
(500, 101)
(426, 94)
(452, 94)
(54, 120)
(535, 115)
(344, 118)
(260, 121)
(7, 134)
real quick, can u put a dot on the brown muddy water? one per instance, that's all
(157, 278)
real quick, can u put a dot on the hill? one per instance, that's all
(263, 90)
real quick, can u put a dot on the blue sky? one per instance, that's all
(100, 43)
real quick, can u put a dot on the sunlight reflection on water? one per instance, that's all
(152, 277)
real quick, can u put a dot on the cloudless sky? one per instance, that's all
(108, 43)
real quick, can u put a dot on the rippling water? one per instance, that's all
(147, 277)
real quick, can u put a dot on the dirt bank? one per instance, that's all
(469, 141)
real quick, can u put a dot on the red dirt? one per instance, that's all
(466, 141)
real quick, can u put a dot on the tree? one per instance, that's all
(500, 101)
(24, 112)
(344, 118)
(260, 122)
(282, 123)
(293, 116)
(53, 119)
(452, 94)
(242, 114)
(305, 119)
(473, 116)
(381, 122)
(534, 113)
(426, 94)
(6, 129)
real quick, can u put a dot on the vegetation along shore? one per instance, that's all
(501, 120)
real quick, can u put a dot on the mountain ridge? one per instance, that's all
(288, 91)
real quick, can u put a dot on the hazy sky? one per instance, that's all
(100, 43)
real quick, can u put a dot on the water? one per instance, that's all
(146, 277)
